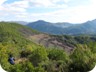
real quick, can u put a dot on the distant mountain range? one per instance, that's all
(88, 27)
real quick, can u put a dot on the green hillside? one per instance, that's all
(15, 35)
(39, 52)
(14, 40)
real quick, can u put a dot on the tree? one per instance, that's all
(82, 59)
(38, 55)
(57, 54)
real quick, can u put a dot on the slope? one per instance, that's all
(39, 52)
(14, 40)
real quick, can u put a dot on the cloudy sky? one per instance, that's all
(74, 11)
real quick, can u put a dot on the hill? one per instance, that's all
(14, 40)
(45, 27)
(20, 22)
(88, 27)
(40, 52)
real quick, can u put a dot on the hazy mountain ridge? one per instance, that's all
(88, 27)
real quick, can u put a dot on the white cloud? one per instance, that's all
(1, 3)
(20, 4)
(66, 13)
(47, 3)
(9, 8)
(18, 7)
(76, 14)
(56, 1)
(21, 15)
(15, 8)
(66, 1)
(14, 11)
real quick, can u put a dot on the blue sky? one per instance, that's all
(73, 11)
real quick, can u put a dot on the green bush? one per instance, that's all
(83, 59)
(38, 55)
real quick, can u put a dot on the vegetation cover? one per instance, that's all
(32, 56)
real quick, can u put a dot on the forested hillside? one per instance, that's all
(40, 52)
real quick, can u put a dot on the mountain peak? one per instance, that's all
(39, 22)
(42, 21)
(94, 20)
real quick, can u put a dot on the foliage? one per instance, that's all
(36, 58)
(38, 55)
(83, 59)
(57, 54)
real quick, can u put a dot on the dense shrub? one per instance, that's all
(38, 55)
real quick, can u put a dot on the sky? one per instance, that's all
(73, 11)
